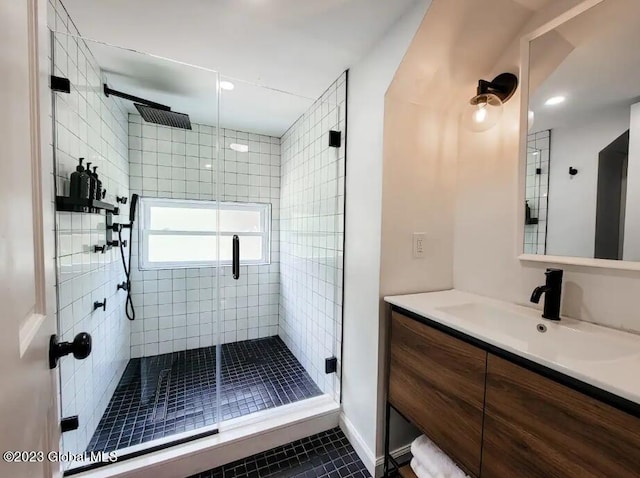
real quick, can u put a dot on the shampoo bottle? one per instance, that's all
(98, 184)
(80, 183)
(92, 185)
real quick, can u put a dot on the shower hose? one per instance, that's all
(128, 307)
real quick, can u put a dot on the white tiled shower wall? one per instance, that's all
(92, 126)
(176, 309)
(312, 236)
(537, 191)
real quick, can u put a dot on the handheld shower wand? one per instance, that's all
(132, 208)
(129, 309)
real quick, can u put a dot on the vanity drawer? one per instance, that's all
(437, 382)
(538, 428)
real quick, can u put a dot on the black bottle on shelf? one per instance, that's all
(92, 185)
(98, 184)
(80, 183)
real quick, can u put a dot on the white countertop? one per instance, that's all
(605, 358)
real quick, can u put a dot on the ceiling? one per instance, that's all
(193, 91)
(295, 46)
(593, 60)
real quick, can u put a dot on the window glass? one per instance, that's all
(240, 221)
(178, 233)
(163, 218)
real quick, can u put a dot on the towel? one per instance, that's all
(419, 470)
(433, 460)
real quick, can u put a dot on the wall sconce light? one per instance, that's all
(485, 109)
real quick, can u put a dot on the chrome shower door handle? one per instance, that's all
(235, 266)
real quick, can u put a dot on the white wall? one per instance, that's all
(312, 237)
(368, 83)
(572, 199)
(87, 124)
(177, 309)
(631, 250)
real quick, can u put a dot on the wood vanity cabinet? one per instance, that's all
(437, 382)
(535, 427)
(499, 419)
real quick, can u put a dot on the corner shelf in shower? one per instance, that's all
(69, 204)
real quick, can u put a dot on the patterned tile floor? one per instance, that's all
(172, 393)
(326, 454)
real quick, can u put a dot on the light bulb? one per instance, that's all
(483, 112)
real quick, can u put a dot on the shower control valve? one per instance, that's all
(121, 199)
(117, 227)
(103, 304)
(122, 286)
(101, 249)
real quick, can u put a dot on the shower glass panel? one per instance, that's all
(281, 318)
(151, 380)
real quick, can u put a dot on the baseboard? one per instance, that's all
(373, 464)
(281, 425)
(357, 442)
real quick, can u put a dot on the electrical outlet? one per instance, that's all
(418, 245)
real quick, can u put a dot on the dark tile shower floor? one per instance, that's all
(172, 393)
(325, 455)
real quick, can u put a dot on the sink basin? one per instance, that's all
(558, 339)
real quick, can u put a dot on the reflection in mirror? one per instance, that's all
(535, 238)
(583, 150)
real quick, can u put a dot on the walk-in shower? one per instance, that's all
(223, 290)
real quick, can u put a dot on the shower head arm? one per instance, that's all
(108, 91)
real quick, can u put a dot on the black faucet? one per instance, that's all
(553, 291)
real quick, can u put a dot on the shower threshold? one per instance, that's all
(174, 393)
(189, 453)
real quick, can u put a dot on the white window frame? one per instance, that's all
(144, 232)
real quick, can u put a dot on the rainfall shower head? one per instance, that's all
(163, 117)
(153, 112)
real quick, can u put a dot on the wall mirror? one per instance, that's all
(582, 180)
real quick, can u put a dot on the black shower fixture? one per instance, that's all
(153, 112)
(129, 309)
(485, 108)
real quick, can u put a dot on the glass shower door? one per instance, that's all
(278, 311)
(151, 377)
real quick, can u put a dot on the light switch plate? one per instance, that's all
(419, 245)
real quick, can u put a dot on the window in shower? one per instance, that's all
(178, 233)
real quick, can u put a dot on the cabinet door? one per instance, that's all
(437, 382)
(537, 428)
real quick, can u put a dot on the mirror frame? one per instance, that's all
(525, 42)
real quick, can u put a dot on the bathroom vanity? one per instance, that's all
(506, 393)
